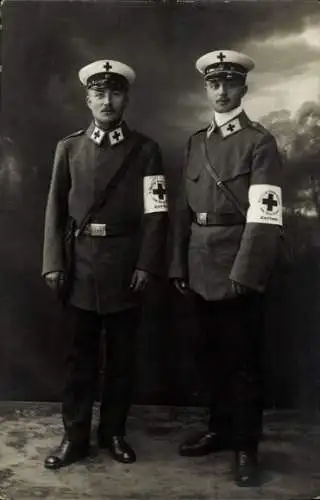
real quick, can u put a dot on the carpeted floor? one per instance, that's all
(290, 459)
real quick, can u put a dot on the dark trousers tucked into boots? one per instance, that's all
(83, 361)
(233, 332)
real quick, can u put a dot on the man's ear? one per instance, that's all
(88, 100)
(245, 90)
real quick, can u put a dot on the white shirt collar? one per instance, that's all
(222, 118)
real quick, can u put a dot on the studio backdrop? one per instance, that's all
(44, 45)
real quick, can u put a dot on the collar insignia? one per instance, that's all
(230, 127)
(116, 136)
(97, 135)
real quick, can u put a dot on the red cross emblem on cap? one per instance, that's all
(107, 66)
(221, 57)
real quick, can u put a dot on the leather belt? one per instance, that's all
(102, 230)
(206, 219)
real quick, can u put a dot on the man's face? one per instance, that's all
(225, 95)
(107, 105)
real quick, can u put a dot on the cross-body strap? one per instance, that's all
(212, 171)
(101, 200)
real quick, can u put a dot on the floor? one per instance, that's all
(290, 459)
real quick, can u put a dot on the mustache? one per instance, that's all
(108, 108)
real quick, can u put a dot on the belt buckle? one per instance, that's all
(98, 229)
(202, 218)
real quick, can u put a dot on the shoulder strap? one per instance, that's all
(74, 134)
(212, 171)
(101, 200)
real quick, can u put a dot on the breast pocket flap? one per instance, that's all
(193, 171)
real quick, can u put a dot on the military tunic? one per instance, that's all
(135, 238)
(209, 257)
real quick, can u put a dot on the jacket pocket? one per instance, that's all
(233, 172)
(194, 170)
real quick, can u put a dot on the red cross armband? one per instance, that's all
(265, 204)
(154, 194)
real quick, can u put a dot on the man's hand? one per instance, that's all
(181, 285)
(140, 280)
(54, 280)
(239, 289)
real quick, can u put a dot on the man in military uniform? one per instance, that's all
(115, 257)
(226, 234)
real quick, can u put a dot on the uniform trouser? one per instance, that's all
(233, 331)
(83, 362)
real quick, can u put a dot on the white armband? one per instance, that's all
(265, 204)
(154, 194)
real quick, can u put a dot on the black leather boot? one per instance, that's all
(118, 448)
(66, 453)
(203, 444)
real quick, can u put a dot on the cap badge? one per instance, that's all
(221, 57)
(107, 66)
